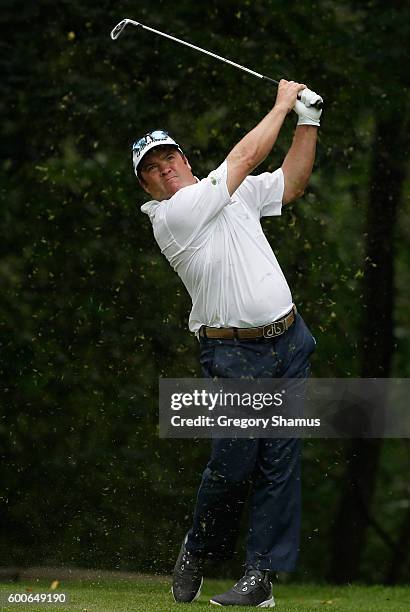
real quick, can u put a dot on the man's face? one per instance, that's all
(163, 171)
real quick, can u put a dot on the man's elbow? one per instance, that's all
(295, 183)
(299, 193)
(293, 193)
(244, 158)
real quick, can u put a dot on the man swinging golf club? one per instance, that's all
(247, 325)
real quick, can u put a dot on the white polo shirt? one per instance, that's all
(216, 244)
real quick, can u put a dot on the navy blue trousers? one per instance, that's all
(266, 469)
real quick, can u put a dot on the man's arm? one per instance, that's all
(298, 163)
(257, 144)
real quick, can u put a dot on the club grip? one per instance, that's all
(318, 104)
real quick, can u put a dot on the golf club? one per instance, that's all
(120, 27)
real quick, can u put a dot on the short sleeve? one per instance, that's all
(264, 192)
(193, 207)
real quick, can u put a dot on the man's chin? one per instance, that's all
(173, 187)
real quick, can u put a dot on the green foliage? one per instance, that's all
(92, 315)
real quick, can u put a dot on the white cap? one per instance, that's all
(153, 139)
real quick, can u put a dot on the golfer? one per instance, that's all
(247, 325)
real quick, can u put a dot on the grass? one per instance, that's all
(152, 594)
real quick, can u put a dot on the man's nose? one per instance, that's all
(165, 169)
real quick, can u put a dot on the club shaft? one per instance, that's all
(187, 44)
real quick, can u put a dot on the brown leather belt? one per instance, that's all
(271, 330)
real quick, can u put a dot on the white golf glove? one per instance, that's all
(308, 114)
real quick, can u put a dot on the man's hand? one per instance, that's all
(287, 94)
(308, 114)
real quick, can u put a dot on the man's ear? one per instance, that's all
(143, 184)
(186, 162)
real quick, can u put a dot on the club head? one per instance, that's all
(119, 28)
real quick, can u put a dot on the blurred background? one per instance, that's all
(91, 314)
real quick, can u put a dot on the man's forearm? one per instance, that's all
(298, 163)
(257, 144)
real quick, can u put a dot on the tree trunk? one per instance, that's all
(362, 456)
(399, 556)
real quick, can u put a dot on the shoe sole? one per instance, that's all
(196, 596)
(269, 603)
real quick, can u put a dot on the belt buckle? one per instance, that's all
(274, 329)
